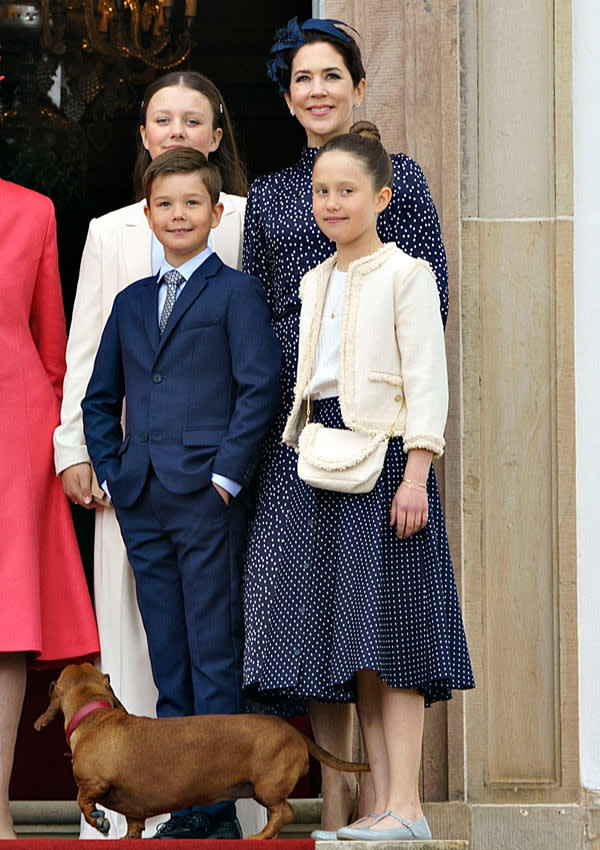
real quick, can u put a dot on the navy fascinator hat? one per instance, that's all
(291, 36)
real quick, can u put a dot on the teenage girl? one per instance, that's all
(377, 608)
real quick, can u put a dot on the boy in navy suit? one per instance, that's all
(194, 353)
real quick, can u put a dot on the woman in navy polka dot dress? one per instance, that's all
(319, 68)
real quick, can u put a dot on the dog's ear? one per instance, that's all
(119, 704)
(52, 710)
(115, 699)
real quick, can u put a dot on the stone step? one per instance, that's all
(60, 819)
(394, 845)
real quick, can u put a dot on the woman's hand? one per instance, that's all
(410, 510)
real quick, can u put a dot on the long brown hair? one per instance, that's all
(226, 156)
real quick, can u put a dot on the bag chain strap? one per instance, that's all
(390, 433)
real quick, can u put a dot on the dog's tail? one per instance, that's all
(333, 761)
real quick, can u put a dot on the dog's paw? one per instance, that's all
(100, 822)
(103, 825)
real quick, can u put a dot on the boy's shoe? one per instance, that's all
(198, 825)
(184, 826)
(220, 828)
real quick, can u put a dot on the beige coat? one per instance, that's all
(392, 368)
(117, 252)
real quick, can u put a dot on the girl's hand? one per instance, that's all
(77, 484)
(410, 510)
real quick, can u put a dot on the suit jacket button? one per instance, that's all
(157, 378)
(144, 437)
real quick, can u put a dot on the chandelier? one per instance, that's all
(154, 31)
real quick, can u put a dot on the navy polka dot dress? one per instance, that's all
(324, 593)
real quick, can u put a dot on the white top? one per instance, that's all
(326, 367)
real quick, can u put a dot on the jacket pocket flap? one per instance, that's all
(203, 436)
(386, 378)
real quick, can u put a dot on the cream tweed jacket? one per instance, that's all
(392, 370)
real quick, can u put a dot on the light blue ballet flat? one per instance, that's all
(347, 832)
(324, 834)
(407, 831)
(332, 834)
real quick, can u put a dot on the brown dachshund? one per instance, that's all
(141, 766)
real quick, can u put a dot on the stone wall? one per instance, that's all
(479, 93)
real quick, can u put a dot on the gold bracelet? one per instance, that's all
(412, 486)
(420, 484)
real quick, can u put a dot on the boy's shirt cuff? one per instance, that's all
(232, 487)
(104, 486)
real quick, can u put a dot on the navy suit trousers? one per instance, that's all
(186, 553)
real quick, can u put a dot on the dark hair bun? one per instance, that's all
(366, 129)
(362, 141)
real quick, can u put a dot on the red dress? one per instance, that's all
(45, 604)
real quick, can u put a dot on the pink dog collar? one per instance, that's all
(82, 713)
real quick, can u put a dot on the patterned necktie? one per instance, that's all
(173, 280)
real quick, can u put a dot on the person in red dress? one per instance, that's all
(47, 616)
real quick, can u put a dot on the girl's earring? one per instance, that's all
(292, 113)
(357, 106)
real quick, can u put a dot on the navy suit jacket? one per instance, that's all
(200, 398)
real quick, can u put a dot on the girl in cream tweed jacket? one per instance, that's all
(365, 606)
(392, 358)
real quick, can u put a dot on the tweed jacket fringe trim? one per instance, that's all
(401, 272)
